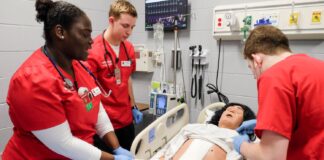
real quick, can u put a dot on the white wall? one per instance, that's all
(21, 35)
(235, 79)
(233, 70)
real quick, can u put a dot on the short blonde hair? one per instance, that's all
(122, 6)
(268, 40)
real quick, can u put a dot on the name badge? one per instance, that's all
(126, 63)
(96, 91)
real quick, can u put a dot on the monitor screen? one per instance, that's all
(161, 101)
(153, 1)
(166, 11)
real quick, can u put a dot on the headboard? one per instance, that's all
(208, 111)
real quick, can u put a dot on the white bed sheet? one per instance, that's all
(154, 137)
(207, 132)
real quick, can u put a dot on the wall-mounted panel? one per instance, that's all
(302, 19)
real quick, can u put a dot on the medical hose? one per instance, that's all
(214, 88)
(221, 96)
(194, 84)
(194, 76)
(200, 72)
(200, 87)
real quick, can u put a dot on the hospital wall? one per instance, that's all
(21, 35)
(235, 79)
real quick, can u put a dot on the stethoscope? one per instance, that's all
(67, 82)
(110, 56)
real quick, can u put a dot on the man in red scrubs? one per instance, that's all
(54, 103)
(291, 104)
(112, 59)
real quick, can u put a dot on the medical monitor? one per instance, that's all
(166, 11)
(161, 104)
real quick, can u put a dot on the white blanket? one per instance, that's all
(208, 132)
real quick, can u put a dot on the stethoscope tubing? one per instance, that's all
(60, 73)
(110, 56)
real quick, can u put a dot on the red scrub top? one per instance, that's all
(38, 100)
(117, 105)
(291, 103)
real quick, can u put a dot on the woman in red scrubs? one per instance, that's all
(54, 102)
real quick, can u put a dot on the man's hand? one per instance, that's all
(137, 115)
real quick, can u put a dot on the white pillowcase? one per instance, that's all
(209, 115)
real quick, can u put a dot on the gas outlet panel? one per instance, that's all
(298, 20)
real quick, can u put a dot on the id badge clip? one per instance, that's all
(117, 75)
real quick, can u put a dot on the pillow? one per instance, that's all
(208, 115)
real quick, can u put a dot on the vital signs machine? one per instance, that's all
(160, 103)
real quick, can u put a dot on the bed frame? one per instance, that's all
(205, 113)
(150, 140)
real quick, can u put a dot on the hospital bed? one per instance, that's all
(149, 141)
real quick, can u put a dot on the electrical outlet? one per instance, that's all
(219, 22)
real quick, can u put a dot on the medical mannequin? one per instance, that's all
(290, 96)
(112, 59)
(215, 137)
(54, 103)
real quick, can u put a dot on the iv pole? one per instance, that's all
(175, 29)
(175, 54)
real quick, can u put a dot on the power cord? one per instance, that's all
(214, 88)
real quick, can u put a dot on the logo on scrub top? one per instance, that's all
(105, 63)
(86, 97)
